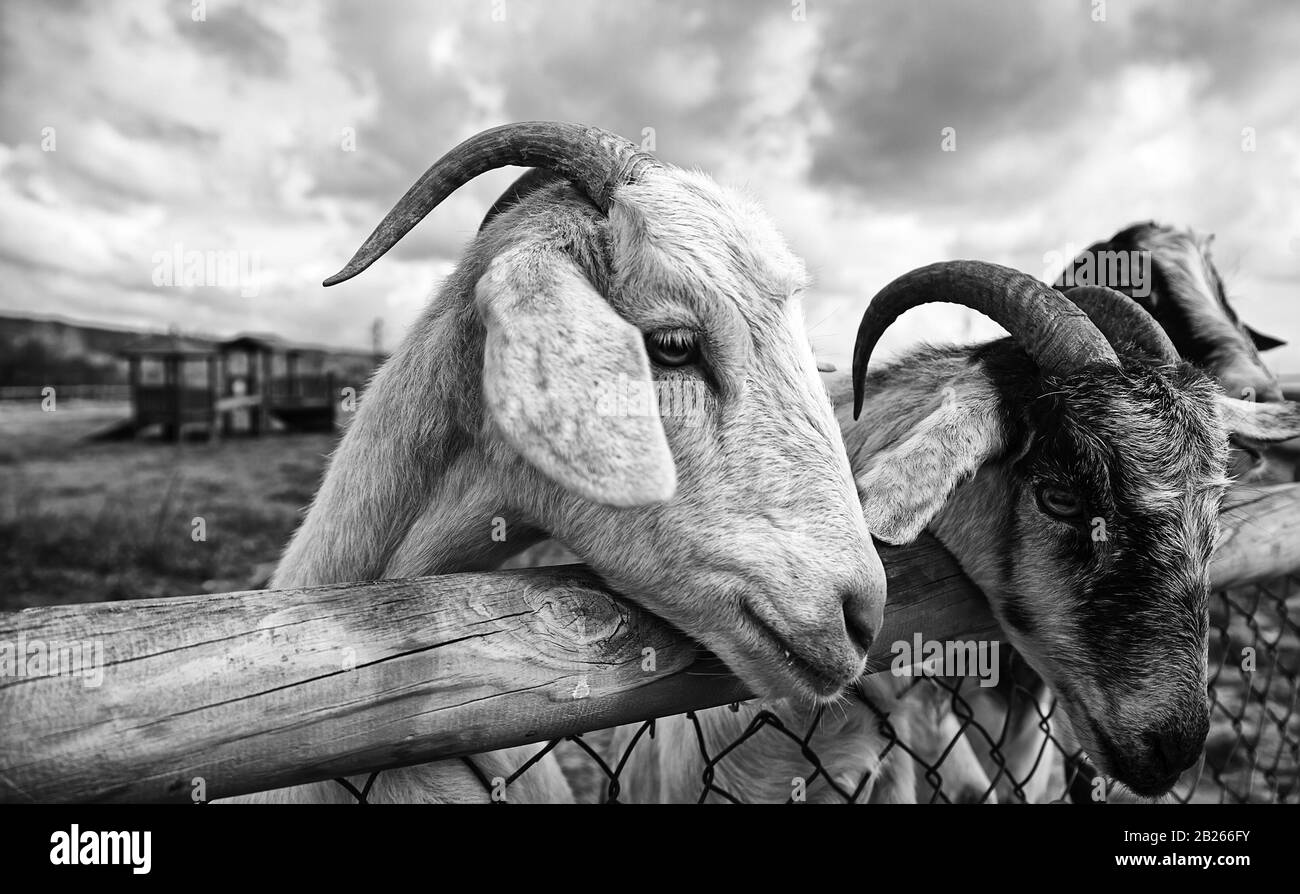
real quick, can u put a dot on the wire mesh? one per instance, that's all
(942, 740)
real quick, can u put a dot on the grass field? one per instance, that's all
(85, 521)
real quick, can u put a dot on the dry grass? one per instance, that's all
(84, 521)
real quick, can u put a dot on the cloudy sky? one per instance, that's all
(286, 130)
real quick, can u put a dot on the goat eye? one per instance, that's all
(1060, 503)
(673, 347)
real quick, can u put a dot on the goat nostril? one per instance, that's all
(861, 620)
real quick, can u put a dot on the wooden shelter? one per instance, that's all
(240, 384)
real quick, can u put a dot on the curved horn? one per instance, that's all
(597, 161)
(1121, 319)
(1052, 331)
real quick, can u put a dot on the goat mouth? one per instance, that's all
(1107, 756)
(1156, 789)
(823, 682)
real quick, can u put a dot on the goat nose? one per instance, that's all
(1175, 749)
(863, 617)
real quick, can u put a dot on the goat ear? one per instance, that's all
(909, 482)
(1263, 342)
(1266, 421)
(555, 360)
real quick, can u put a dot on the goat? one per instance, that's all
(739, 524)
(1017, 454)
(1170, 273)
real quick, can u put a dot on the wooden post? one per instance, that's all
(214, 417)
(133, 376)
(255, 387)
(265, 689)
(332, 398)
(267, 400)
(275, 688)
(225, 389)
(1260, 535)
(172, 376)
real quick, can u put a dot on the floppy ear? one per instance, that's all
(909, 482)
(1262, 342)
(556, 360)
(1266, 421)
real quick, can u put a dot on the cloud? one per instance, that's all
(250, 47)
(289, 130)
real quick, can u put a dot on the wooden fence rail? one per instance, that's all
(263, 689)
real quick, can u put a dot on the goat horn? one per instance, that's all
(1121, 319)
(596, 160)
(1053, 332)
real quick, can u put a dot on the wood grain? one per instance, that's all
(263, 689)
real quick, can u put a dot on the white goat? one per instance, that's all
(738, 524)
(1016, 453)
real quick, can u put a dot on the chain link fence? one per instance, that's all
(942, 740)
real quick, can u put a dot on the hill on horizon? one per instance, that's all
(57, 351)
